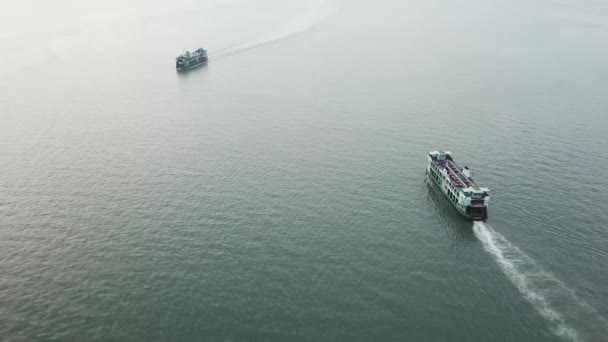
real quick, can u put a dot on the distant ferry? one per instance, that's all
(456, 183)
(191, 60)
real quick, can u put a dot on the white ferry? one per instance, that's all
(458, 186)
(190, 60)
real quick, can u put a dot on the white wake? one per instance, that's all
(315, 12)
(570, 317)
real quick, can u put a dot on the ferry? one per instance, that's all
(457, 185)
(190, 60)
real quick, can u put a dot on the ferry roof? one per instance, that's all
(434, 153)
(188, 54)
(457, 178)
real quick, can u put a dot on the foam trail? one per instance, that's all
(316, 12)
(548, 295)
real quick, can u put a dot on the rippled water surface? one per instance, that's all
(279, 194)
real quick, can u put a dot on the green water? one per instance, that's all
(279, 193)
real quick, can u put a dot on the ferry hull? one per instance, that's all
(480, 214)
(179, 68)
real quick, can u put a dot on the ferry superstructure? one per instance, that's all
(457, 185)
(190, 60)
